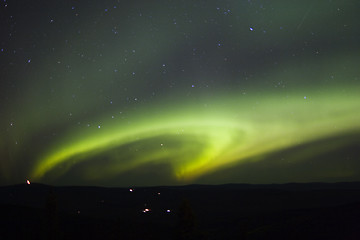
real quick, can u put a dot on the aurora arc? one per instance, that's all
(126, 93)
(197, 138)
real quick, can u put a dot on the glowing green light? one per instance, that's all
(206, 137)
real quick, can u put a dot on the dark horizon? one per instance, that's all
(235, 211)
(288, 185)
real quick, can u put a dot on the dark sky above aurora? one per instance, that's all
(119, 93)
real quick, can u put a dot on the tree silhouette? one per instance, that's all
(187, 226)
(51, 215)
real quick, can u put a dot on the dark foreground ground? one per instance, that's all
(236, 211)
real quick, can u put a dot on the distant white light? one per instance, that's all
(131, 190)
(251, 29)
(168, 210)
(28, 182)
(146, 210)
(158, 193)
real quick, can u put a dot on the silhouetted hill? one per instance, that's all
(230, 211)
(297, 186)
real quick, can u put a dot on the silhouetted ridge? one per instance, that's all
(229, 211)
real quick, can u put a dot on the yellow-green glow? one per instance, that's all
(197, 138)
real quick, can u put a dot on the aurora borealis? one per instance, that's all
(119, 93)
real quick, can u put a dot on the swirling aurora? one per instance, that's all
(117, 93)
(196, 139)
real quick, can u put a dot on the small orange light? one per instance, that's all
(28, 182)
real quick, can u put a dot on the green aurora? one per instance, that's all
(196, 139)
(118, 93)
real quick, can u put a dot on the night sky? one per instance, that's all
(173, 92)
